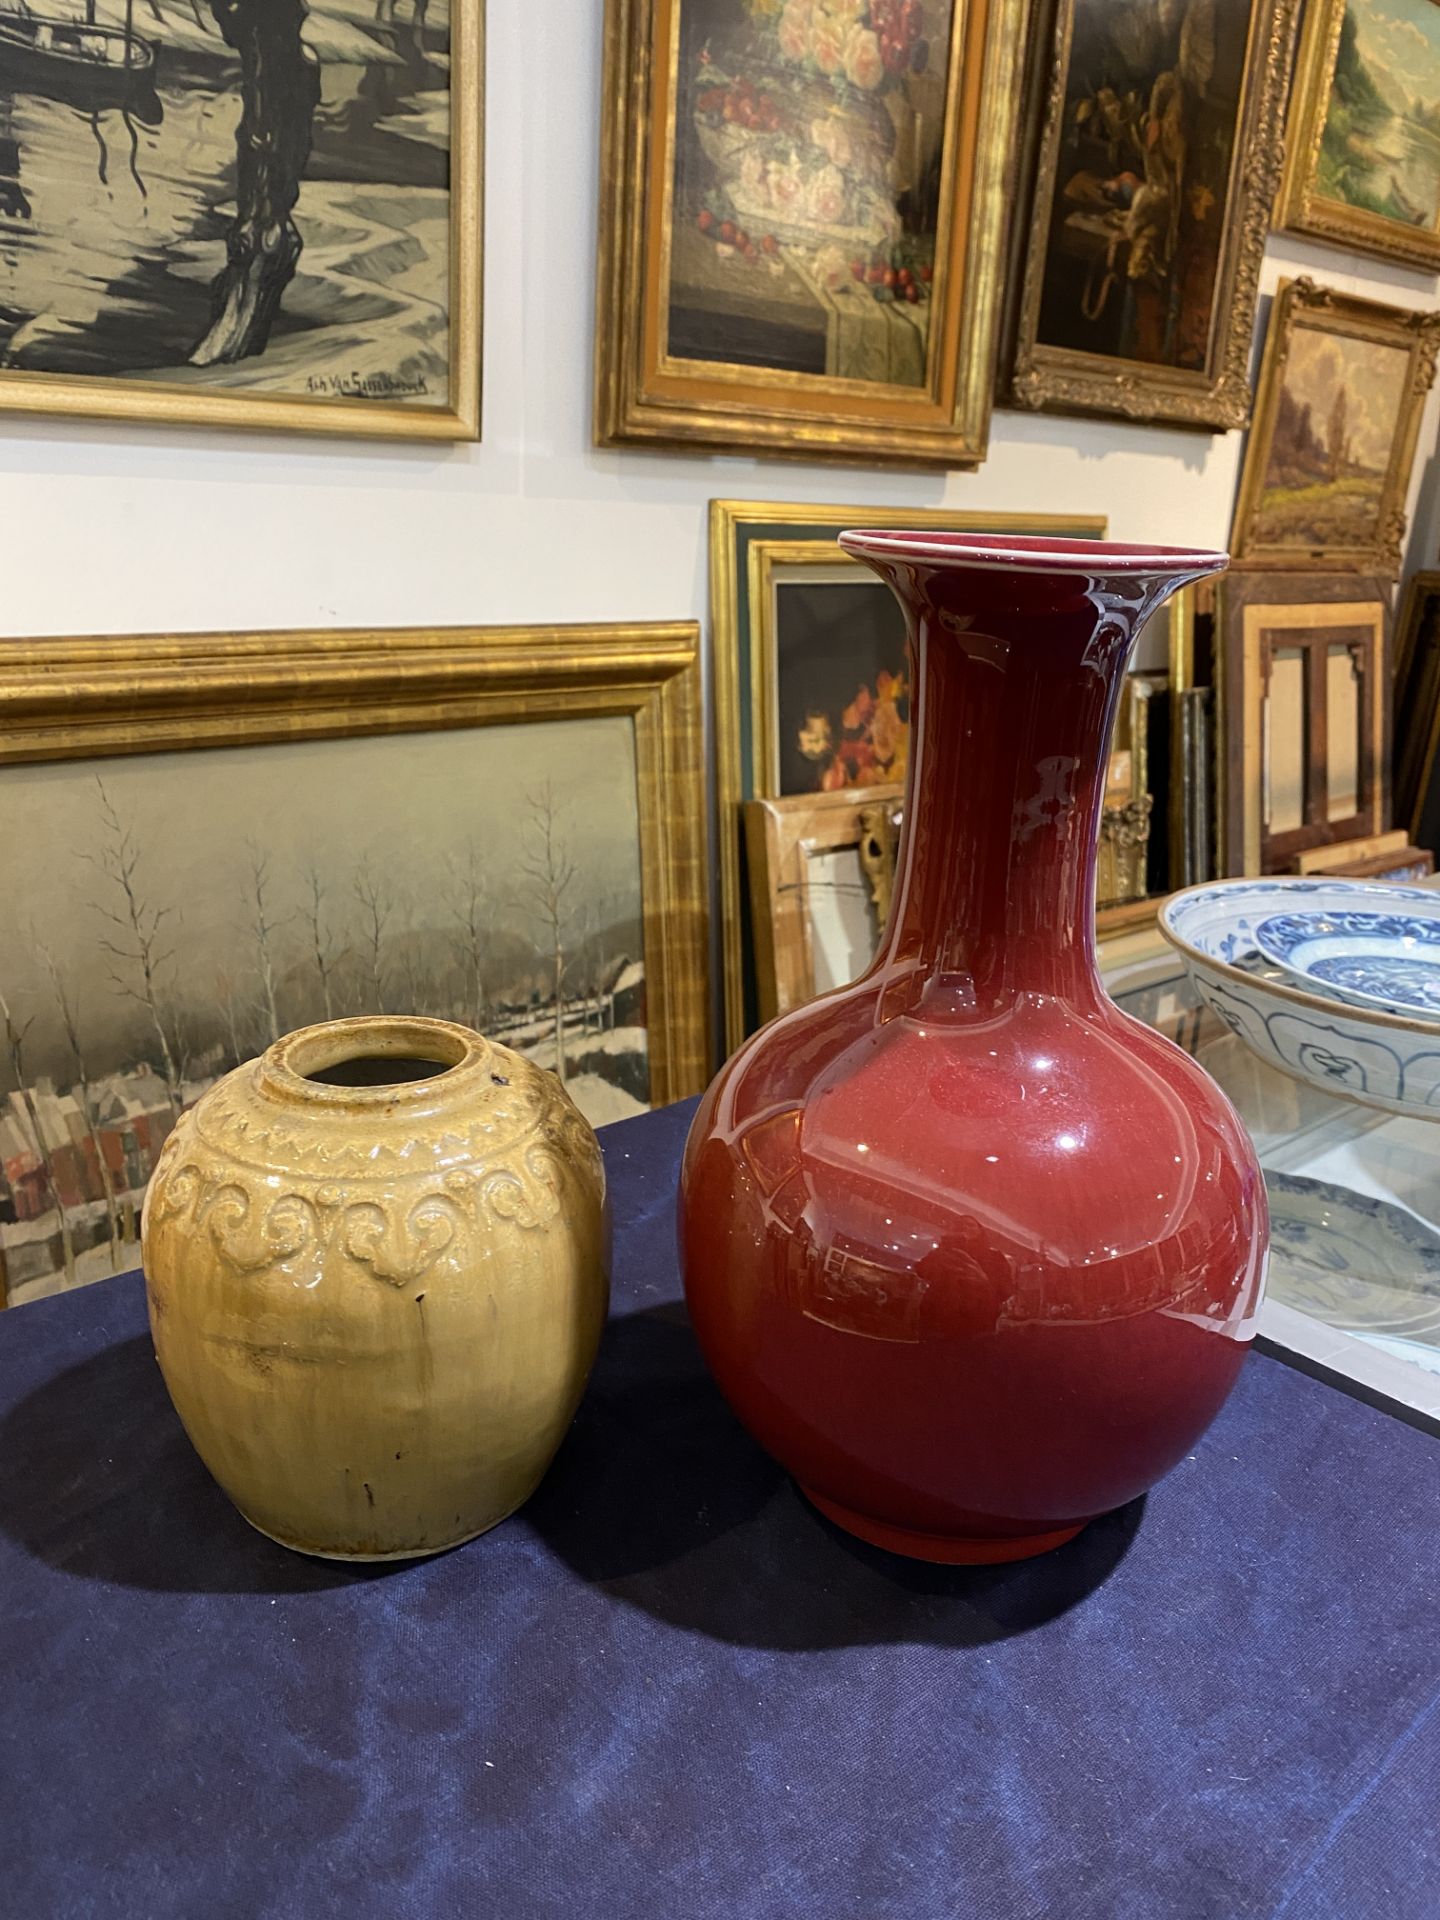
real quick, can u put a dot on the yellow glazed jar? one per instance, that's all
(375, 1263)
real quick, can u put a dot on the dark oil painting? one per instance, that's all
(809, 149)
(240, 195)
(842, 686)
(1142, 184)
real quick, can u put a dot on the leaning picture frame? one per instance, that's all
(1417, 697)
(1156, 154)
(763, 554)
(1304, 721)
(802, 225)
(1361, 166)
(215, 838)
(276, 225)
(1327, 464)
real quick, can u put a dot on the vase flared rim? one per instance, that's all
(1031, 553)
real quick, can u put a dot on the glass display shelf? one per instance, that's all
(1354, 1283)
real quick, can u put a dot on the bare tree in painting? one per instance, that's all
(70, 1021)
(15, 1044)
(375, 914)
(227, 999)
(470, 912)
(137, 950)
(263, 929)
(279, 86)
(322, 945)
(550, 873)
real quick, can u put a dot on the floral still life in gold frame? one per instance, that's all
(1304, 718)
(1159, 154)
(1327, 465)
(246, 213)
(801, 228)
(1362, 166)
(217, 838)
(811, 688)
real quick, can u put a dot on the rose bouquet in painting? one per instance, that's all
(808, 173)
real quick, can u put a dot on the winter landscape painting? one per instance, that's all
(171, 913)
(263, 210)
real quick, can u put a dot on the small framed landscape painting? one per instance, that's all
(804, 206)
(1327, 465)
(1159, 130)
(811, 680)
(214, 840)
(1362, 161)
(251, 213)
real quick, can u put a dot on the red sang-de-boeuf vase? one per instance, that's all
(973, 1254)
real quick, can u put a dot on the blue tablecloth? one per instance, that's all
(669, 1689)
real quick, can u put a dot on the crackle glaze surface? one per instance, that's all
(972, 1253)
(375, 1307)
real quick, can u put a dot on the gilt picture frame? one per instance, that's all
(1326, 470)
(1158, 155)
(760, 551)
(217, 838)
(802, 225)
(1362, 166)
(272, 221)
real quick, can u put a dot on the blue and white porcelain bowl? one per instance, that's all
(1384, 1059)
(1379, 953)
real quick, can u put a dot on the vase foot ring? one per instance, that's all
(943, 1549)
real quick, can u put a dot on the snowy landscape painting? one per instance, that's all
(171, 913)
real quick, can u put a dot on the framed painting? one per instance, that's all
(1159, 153)
(802, 226)
(1417, 696)
(1362, 164)
(250, 213)
(1304, 717)
(218, 838)
(810, 678)
(1327, 465)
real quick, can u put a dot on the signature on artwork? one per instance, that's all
(369, 386)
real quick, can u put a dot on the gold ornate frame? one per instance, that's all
(1300, 207)
(742, 638)
(157, 402)
(644, 395)
(781, 836)
(74, 699)
(1303, 303)
(1064, 380)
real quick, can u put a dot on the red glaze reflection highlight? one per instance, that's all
(973, 1254)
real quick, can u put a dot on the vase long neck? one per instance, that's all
(1014, 691)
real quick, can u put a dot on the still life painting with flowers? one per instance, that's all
(807, 184)
(842, 694)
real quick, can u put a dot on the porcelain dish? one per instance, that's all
(1386, 959)
(1383, 1059)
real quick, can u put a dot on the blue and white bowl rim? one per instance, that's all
(1179, 903)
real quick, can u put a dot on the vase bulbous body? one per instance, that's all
(972, 1253)
(376, 1272)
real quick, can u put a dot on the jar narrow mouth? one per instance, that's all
(374, 1059)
